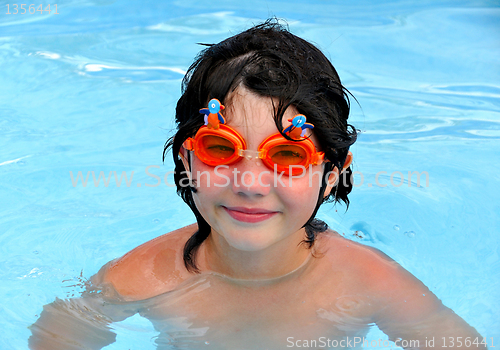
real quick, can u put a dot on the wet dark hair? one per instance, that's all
(270, 61)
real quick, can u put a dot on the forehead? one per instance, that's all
(252, 116)
(247, 110)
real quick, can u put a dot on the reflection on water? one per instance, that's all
(326, 298)
(209, 311)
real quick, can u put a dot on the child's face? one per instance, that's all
(252, 208)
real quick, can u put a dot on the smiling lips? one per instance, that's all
(251, 215)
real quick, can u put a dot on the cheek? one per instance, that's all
(207, 177)
(207, 196)
(212, 186)
(301, 195)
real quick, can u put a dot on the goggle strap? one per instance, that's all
(189, 144)
(318, 158)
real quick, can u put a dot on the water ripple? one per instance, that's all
(130, 74)
(444, 128)
(120, 71)
(459, 98)
(13, 160)
(202, 24)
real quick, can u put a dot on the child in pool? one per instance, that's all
(257, 271)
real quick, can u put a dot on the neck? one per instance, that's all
(272, 262)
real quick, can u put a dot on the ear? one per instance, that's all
(348, 161)
(183, 155)
(333, 179)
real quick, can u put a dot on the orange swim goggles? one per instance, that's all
(218, 144)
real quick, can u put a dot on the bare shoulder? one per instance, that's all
(398, 302)
(152, 268)
(378, 277)
(370, 268)
(343, 252)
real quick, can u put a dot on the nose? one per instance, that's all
(251, 176)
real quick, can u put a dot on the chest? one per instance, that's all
(213, 313)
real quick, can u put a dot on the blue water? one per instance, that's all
(94, 89)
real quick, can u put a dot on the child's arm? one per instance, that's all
(412, 313)
(79, 323)
(144, 272)
(70, 324)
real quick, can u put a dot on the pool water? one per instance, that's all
(94, 88)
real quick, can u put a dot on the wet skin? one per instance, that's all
(340, 291)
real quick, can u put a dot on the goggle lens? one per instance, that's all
(288, 155)
(217, 148)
